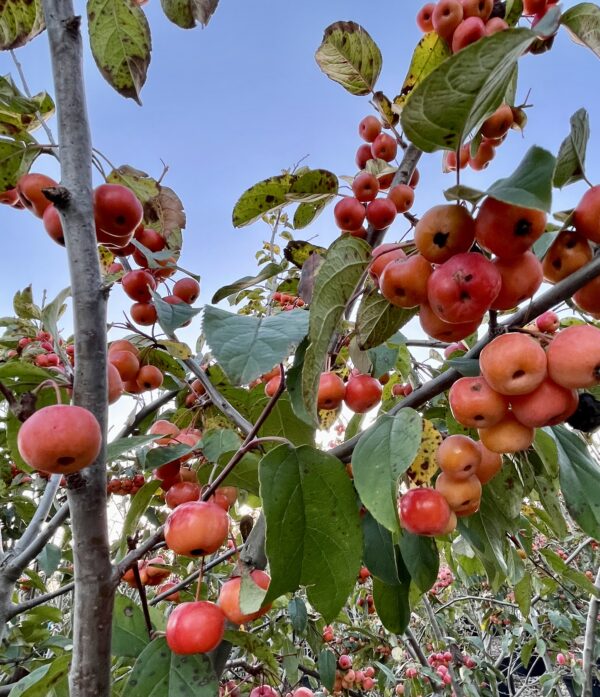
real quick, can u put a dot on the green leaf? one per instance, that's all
(570, 163)
(326, 664)
(129, 633)
(379, 554)
(176, 349)
(53, 311)
(583, 24)
(350, 57)
(18, 113)
(139, 505)
(567, 573)
(244, 475)
(159, 673)
(265, 197)
(282, 421)
(377, 319)
(16, 157)
(217, 441)
(157, 457)
(306, 213)
(313, 185)
(336, 281)
(523, 594)
(530, 185)
(19, 23)
(246, 347)
(171, 317)
(41, 681)
(24, 306)
(384, 452)
(49, 558)
(391, 604)
(298, 615)
(469, 367)
(463, 193)
(164, 361)
(421, 558)
(251, 595)
(298, 251)
(579, 480)
(310, 542)
(456, 97)
(294, 384)
(187, 13)
(120, 43)
(253, 644)
(143, 185)
(265, 273)
(130, 444)
(430, 52)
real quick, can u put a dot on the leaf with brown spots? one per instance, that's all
(424, 465)
(18, 113)
(120, 42)
(142, 185)
(20, 22)
(265, 197)
(16, 157)
(188, 13)
(165, 214)
(428, 54)
(350, 57)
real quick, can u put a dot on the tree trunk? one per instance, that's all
(94, 586)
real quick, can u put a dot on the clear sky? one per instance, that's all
(242, 99)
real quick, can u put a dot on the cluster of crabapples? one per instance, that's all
(287, 302)
(127, 371)
(522, 387)
(119, 221)
(346, 678)
(463, 22)
(454, 286)
(481, 151)
(125, 486)
(440, 662)
(40, 350)
(361, 393)
(350, 212)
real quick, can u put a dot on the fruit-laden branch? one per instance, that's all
(94, 586)
(411, 157)
(590, 639)
(121, 567)
(557, 294)
(456, 685)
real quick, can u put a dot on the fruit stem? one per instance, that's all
(200, 575)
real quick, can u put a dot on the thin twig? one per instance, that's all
(141, 590)
(27, 91)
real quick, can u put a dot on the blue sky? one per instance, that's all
(242, 99)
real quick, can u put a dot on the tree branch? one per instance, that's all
(40, 515)
(129, 428)
(589, 642)
(40, 600)
(557, 294)
(94, 585)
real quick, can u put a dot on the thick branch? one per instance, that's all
(40, 515)
(557, 294)
(40, 600)
(590, 640)
(94, 586)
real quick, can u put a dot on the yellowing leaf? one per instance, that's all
(424, 466)
(429, 53)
